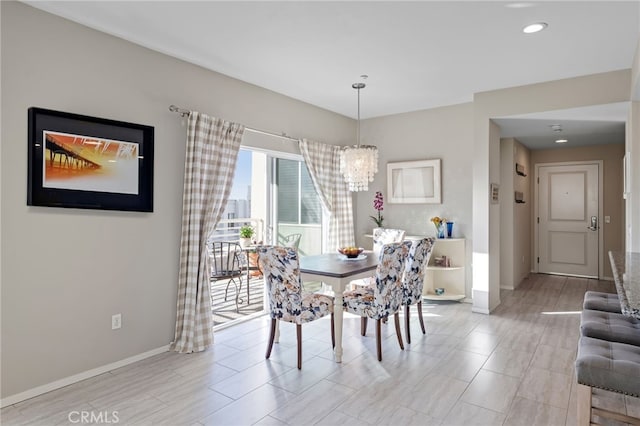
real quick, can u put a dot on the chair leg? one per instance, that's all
(247, 286)
(378, 339)
(299, 338)
(238, 300)
(272, 335)
(396, 318)
(406, 323)
(419, 306)
(333, 331)
(363, 325)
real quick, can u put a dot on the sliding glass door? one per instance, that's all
(297, 207)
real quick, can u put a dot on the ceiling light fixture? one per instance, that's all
(534, 28)
(556, 127)
(359, 163)
(562, 140)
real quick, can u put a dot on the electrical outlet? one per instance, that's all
(607, 219)
(116, 321)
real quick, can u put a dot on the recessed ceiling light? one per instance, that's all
(562, 140)
(534, 28)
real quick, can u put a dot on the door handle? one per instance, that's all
(594, 223)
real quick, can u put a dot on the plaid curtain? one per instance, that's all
(212, 151)
(323, 162)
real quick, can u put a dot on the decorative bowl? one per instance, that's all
(439, 291)
(351, 252)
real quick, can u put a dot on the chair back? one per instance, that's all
(382, 236)
(417, 260)
(281, 271)
(225, 259)
(292, 240)
(388, 287)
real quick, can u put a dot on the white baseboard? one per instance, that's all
(607, 279)
(480, 310)
(79, 377)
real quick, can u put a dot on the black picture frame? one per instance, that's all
(72, 162)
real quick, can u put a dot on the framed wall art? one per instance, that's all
(86, 162)
(412, 182)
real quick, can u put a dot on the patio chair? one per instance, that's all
(225, 262)
(413, 280)
(292, 240)
(385, 297)
(287, 302)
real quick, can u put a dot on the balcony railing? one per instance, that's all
(229, 229)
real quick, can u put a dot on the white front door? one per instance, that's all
(568, 219)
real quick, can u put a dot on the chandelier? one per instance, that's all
(359, 163)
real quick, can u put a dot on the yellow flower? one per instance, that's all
(437, 221)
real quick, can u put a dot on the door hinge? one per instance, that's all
(538, 260)
(538, 180)
(538, 219)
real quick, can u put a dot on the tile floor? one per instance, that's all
(514, 367)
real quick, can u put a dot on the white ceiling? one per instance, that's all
(418, 55)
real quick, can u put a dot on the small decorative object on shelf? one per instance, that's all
(439, 291)
(442, 261)
(449, 229)
(441, 226)
(378, 204)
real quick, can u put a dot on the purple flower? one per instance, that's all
(378, 201)
(378, 204)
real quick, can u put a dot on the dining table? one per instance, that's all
(337, 271)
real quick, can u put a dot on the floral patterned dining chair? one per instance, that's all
(381, 236)
(413, 281)
(385, 297)
(287, 302)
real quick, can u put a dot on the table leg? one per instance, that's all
(338, 314)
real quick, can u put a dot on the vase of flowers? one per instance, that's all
(378, 205)
(441, 226)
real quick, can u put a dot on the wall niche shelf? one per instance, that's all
(450, 278)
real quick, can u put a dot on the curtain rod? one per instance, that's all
(185, 112)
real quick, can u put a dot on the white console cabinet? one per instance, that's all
(452, 277)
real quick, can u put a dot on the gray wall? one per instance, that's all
(445, 133)
(66, 271)
(515, 218)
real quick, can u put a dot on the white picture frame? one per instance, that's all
(414, 182)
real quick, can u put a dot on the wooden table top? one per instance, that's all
(336, 265)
